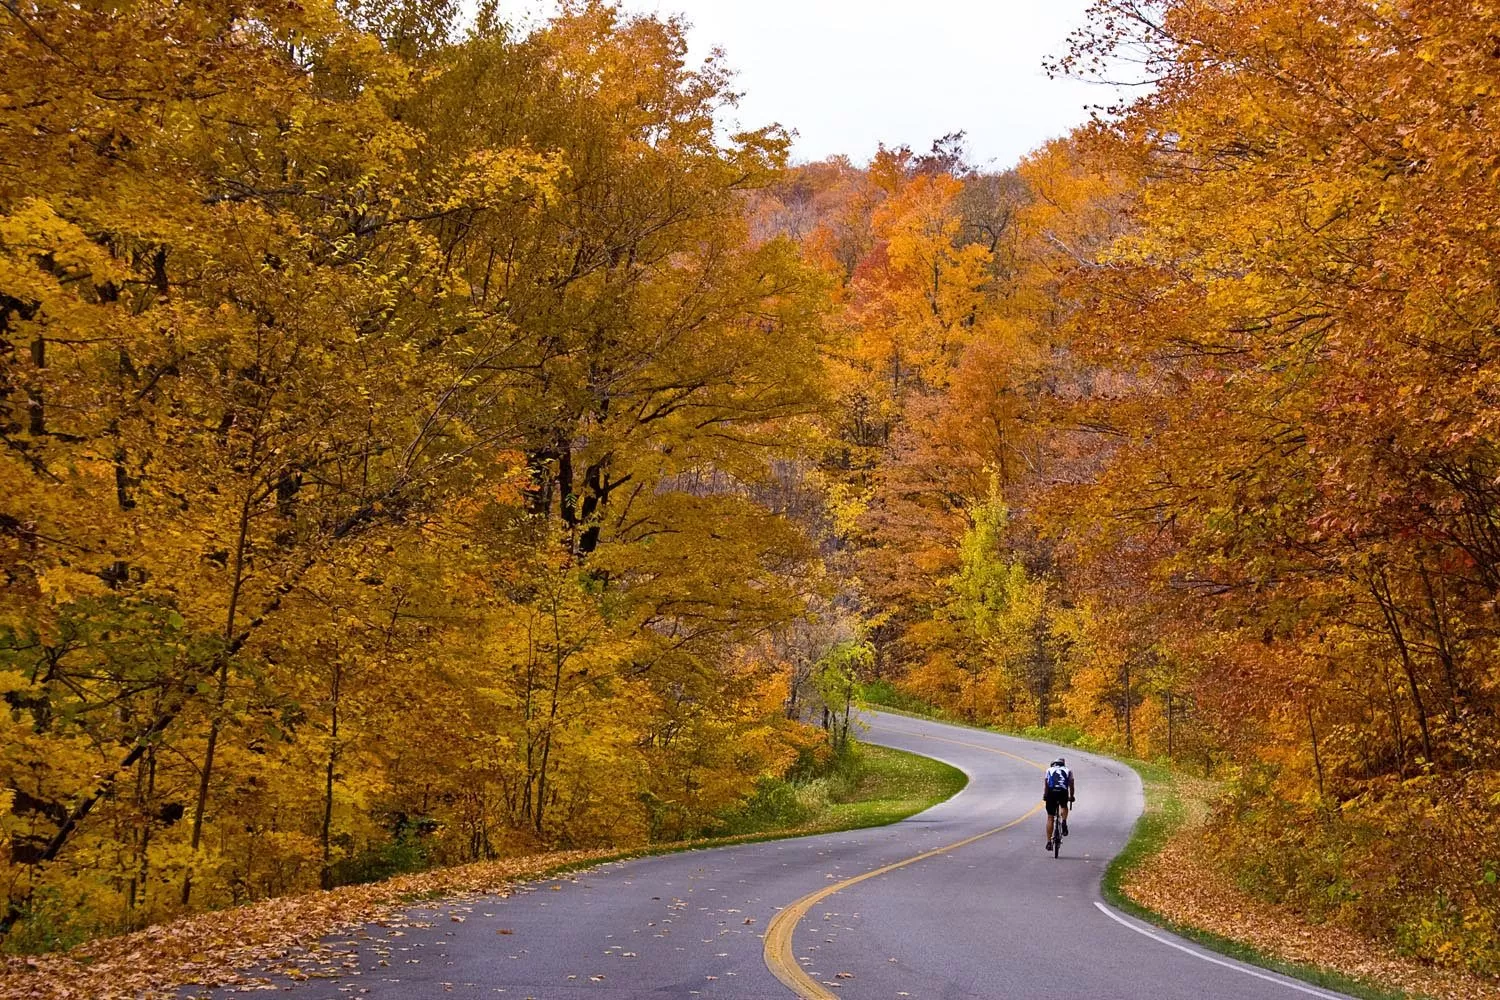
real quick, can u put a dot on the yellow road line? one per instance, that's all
(780, 958)
(966, 743)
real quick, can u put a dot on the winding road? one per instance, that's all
(958, 902)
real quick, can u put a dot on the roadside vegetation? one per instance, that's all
(1172, 875)
(866, 786)
(1138, 883)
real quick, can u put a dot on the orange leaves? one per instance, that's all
(918, 294)
(1298, 372)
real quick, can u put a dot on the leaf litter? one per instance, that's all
(1184, 886)
(279, 937)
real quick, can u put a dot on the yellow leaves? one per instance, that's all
(1274, 343)
(512, 479)
(349, 458)
(63, 585)
(847, 503)
(494, 178)
(32, 232)
(222, 945)
(12, 680)
(35, 228)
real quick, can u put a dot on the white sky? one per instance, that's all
(849, 74)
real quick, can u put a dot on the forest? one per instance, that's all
(424, 439)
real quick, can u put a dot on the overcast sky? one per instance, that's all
(849, 74)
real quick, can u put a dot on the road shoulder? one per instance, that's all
(1164, 877)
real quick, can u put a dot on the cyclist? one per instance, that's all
(1057, 796)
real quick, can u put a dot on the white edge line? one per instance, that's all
(1268, 977)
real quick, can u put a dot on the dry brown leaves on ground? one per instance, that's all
(281, 936)
(276, 936)
(1183, 886)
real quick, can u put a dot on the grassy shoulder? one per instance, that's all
(893, 786)
(1174, 805)
(869, 786)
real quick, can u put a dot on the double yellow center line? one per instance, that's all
(780, 958)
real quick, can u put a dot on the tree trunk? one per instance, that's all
(1171, 748)
(1393, 709)
(1444, 644)
(200, 807)
(145, 795)
(36, 408)
(527, 712)
(326, 878)
(559, 659)
(1317, 757)
(1393, 624)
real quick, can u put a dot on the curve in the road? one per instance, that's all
(956, 903)
(781, 959)
(1102, 965)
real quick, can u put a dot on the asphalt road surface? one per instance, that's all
(958, 902)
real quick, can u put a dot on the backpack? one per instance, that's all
(1057, 779)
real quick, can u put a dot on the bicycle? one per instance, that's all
(1057, 828)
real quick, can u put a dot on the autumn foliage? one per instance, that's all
(422, 444)
(1305, 304)
(1179, 439)
(386, 423)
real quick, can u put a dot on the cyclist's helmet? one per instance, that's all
(1059, 762)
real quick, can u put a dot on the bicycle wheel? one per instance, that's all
(1057, 839)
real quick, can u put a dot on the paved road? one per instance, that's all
(995, 917)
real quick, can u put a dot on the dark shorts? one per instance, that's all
(1055, 801)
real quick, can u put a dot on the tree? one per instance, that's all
(350, 364)
(1302, 394)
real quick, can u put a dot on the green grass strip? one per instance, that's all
(894, 785)
(890, 786)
